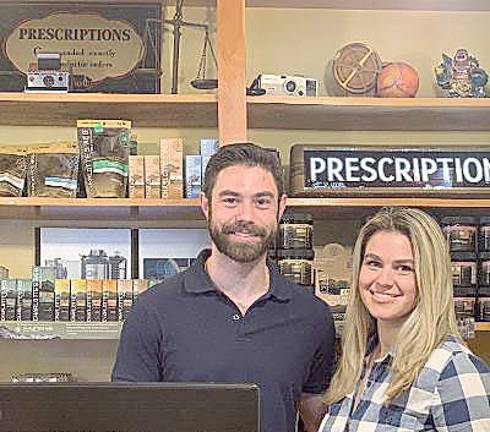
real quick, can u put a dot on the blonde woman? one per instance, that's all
(404, 367)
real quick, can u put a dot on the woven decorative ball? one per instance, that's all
(397, 80)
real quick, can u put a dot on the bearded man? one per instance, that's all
(232, 317)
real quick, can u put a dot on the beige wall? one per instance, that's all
(279, 41)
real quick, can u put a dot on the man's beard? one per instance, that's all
(243, 252)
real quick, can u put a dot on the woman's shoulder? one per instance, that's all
(453, 357)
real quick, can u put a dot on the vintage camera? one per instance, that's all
(47, 75)
(287, 85)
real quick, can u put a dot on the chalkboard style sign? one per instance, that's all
(321, 170)
(107, 47)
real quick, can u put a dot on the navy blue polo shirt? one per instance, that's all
(186, 330)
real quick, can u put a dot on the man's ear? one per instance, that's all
(282, 206)
(204, 205)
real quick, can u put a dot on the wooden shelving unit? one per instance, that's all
(129, 209)
(429, 5)
(482, 326)
(279, 112)
(143, 110)
(123, 209)
(368, 113)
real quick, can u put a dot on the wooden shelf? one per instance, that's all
(123, 209)
(482, 326)
(355, 208)
(30, 330)
(369, 113)
(431, 5)
(128, 209)
(156, 110)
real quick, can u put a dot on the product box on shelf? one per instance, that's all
(124, 298)
(8, 296)
(152, 177)
(136, 177)
(43, 279)
(193, 176)
(139, 286)
(24, 300)
(62, 300)
(78, 306)
(109, 300)
(208, 147)
(94, 300)
(171, 167)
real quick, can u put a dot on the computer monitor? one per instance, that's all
(129, 407)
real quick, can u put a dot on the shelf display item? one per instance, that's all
(172, 168)
(53, 170)
(461, 76)
(484, 234)
(286, 85)
(13, 170)
(397, 80)
(55, 377)
(297, 265)
(356, 67)
(318, 170)
(484, 306)
(104, 148)
(295, 231)
(460, 233)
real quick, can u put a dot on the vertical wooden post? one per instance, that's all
(232, 58)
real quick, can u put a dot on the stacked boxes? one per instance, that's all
(71, 300)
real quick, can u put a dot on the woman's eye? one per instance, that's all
(404, 269)
(373, 264)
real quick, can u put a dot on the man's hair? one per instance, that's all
(245, 154)
(431, 320)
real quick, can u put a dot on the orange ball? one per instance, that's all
(397, 80)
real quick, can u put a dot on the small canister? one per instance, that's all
(484, 234)
(484, 308)
(295, 231)
(460, 233)
(296, 265)
(464, 271)
(484, 273)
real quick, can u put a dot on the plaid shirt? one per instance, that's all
(451, 394)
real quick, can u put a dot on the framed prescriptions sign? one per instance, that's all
(321, 170)
(107, 47)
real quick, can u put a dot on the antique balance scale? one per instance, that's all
(200, 81)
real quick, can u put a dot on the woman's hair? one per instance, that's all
(431, 320)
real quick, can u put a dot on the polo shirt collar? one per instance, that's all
(197, 280)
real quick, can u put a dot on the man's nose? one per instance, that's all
(246, 211)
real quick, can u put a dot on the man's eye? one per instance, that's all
(230, 200)
(263, 202)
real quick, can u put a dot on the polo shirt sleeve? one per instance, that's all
(138, 358)
(463, 395)
(320, 370)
